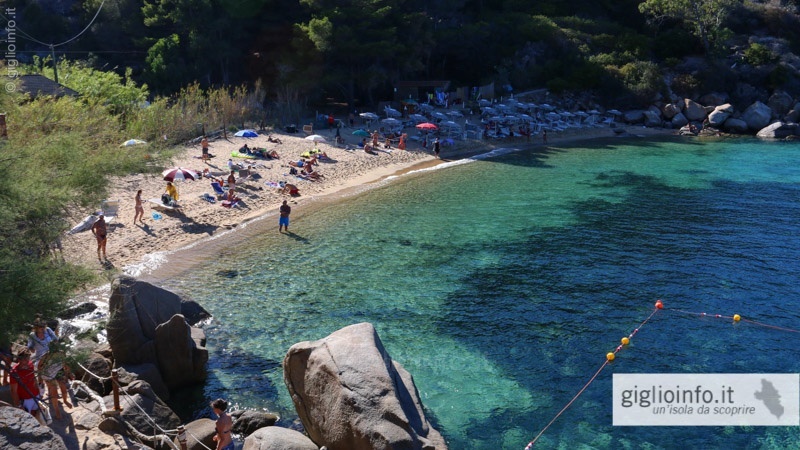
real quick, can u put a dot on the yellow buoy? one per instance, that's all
(610, 356)
(625, 341)
(737, 317)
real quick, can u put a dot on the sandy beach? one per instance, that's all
(198, 219)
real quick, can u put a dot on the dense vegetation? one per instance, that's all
(355, 51)
(156, 69)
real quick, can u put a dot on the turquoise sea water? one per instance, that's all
(501, 284)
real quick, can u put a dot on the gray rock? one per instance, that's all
(652, 119)
(145, 399)
(136, 308)
(145, 372)
(145, 327)
(249, 421)
(720, 115)
(693, 111)
(633, 116)
(193, 312)
(670, 110)
(100, 366)
(181, 361)
(679, 120)
(793, 115)
(199, 434)
(757, 116)
(277, 438)
(20, 430)
(714, 99)
(733, 125)
(350, 395)
(77, 310)
(780, 103)
(778, 130)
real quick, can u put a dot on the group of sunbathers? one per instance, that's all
(306, 167)
(259, 152)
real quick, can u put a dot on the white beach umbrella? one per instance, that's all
(418, 118)
(454, 113)
(369, 116)
(315, 138)
(439, 115)
(391, 121)
(391, 112)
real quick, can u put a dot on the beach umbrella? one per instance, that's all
(418, 118)
(614, 112)
(315, 138)
(246, 133)
(454, 113)
(439, 115)
(361, 133)
(391, 112)
(132, 142)
(427, 126)
(179, 173)
(391, 121)
(369, 116)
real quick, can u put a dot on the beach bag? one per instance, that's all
(293, 171)
(166, 199)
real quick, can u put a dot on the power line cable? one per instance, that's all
(27, 36)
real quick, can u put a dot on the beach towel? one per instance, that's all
(208, 197)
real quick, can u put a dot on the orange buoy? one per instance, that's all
(659, 304)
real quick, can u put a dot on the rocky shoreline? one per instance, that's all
(348, 392)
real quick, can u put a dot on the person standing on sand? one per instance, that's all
(223, 425)
(544, 137)
(204, 144)
(100, 231)
(139, 208)
(436, 147)
(283, 221)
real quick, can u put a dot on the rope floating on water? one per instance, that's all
(610, 356)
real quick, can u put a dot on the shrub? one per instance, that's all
(758, 55)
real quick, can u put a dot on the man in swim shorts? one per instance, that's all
(99, 230)
(283, 222)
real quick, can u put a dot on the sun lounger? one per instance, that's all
(158, 204)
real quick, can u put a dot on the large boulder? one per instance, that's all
(277, 438)
(693, 111)
(670, 110)
(652, 119)
(247, 422)
(780, 103)
(734, 125)
(757, 116)
(145, 372)
(679, 120)
(350, 395)
(778, 130)
(793, 115)
(720, 115)
(136, 308)
(145, 326)
(714, 99)
(181, 360)
(20, 430)
(138, 397)
(633, 116)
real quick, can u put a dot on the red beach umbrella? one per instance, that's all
(427, 126)
(179, 173)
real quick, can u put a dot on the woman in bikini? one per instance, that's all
(223, 426)
(139, 208)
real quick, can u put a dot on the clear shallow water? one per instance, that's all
(502, 283)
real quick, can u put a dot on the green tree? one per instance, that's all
(705, 18)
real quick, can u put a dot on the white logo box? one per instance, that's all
(710, 399)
